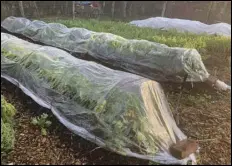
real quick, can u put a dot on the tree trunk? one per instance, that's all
(209, 11)
(36, 8)
(54, 5)
(73, 9)
(130, 10)
(164, 8)
(142, 10)
(66, 7)
(12, 9)
(103, 5)
(214, 6)
(21, 8)
(223, 10)
(124, 5)
(112, 8)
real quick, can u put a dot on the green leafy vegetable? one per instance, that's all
(42, 122)
(8, 111)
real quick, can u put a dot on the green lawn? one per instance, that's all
(205, 44)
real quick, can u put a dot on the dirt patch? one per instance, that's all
(205, 114)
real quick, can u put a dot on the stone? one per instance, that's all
(183, 149)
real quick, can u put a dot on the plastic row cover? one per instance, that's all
(151, 60)
(182, 25)
(119, 111)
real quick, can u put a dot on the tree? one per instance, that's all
(142, 9)
(112, 8)
(103, 6)
(36, 8)
(164, 8)
(209, 11)
(130, 9)
(73, 9)
(66, 7)
(223, 10)
(124, 5)
(21, 8)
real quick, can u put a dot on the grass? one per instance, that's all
(205, 44)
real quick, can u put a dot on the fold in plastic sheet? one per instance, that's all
(182, 25)
(119, 111)
(148, 59)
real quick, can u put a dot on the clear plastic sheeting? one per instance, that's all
(182, 25)
(148, 59)
(119, 111)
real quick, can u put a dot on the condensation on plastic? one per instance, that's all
(119, 111)
(182, 25)
(148, 59)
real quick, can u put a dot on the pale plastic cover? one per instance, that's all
(183, 25)
(148, 59)
(119, 111)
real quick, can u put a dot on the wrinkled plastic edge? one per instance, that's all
(84, 133)
(220, 85)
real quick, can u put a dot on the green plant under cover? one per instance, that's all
(111, 105)
(205, 44)
(79, 89)
(149, 59)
